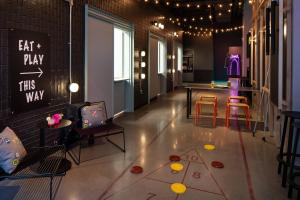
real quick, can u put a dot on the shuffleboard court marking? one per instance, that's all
(191, 154)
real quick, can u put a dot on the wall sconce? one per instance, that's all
(73, 87)
(158, 25)
(141, 71)
(173, 57)
(173, 71)
(143, 64)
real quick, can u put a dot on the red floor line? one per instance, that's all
(210, 174)
(206, 191)
(187, 168)
(123, 172)
(161, 181)
(249, 180)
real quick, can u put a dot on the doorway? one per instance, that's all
(157, 63)
(109, 61)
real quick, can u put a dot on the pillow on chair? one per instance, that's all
(93, 116)
(12, 150)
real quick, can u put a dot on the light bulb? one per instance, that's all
(74, 87)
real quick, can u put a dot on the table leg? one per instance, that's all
(42, 137)
(187, 102)
(190, 100)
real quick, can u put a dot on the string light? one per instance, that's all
(196, 4)
(207, 32)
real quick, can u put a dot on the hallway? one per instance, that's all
(159, 130)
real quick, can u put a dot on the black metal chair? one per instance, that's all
(284, 158)
(102, 131)
(293, 184)
(40, 162)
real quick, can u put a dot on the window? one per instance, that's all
(161, 57)
(179, 59)
(122, 54)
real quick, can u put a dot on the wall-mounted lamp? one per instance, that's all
(173, 71)
(141, 71)
(143, 76)
(173, 57)
(158, 25)
(175, 34)
(73, 87)
(143, 64)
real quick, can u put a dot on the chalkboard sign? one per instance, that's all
(29, 70)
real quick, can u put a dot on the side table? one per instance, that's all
(62, 128)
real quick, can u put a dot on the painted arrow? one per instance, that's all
(40, 72)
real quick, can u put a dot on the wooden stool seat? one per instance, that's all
(238, 105)
(243, 106)
(206, 102)
(201, 102)
(242, 99)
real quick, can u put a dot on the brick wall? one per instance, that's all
(52, 17)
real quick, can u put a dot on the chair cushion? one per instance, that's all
(93, 116)
(12, 150)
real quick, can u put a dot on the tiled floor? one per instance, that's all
(160, 129)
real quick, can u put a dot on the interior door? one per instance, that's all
(99, 68)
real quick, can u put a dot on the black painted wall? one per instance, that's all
(222, 42)
(52, 17)
(203, 57)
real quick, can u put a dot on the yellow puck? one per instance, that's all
(178, 188)
(209, 147)
(176, 167)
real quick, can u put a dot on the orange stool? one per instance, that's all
(198, 106)
(211, 98)
(242, 99)
(243, 106)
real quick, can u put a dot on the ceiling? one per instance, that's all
(190, 14)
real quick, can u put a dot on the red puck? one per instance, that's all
(217, 164)
(136, 170)
(174, 158)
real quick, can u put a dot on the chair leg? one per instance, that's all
(215, 115)
(227, 116)
(124, 144)
(196, 114)
(293, 158)
(51, 183)
(246, 111)
(290, 192)
(288, 155)
(282, 144)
